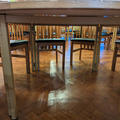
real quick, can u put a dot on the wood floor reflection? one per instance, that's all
(75, 94)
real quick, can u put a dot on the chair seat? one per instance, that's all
(50, 40)
(18, 42)
(117, 41)
(105, 34)
(26, 33)
(83, 39)
(118, 33)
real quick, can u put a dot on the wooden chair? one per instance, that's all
(18, 44)
(48, 32)
(51, 45)
(85, 44)
(107, 40)
(115, 55)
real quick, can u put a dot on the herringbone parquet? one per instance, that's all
(76, 94)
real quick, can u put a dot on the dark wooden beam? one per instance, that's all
(63, 20)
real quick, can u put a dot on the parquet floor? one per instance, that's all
(76, 94)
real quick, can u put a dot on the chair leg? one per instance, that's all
(1, 62)
(114, 59)
(80, 55)
(108, 43)
(27, 59)
(71, 56)
(56, 55)
(105, 43)
(63, 61)
(38, 65)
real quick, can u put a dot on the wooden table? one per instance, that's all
(107, 39)
(56, 12)
(116, 54)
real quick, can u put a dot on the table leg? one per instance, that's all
(114, 37)
(7, 68)
(71, 54)
(56, 55)
(96, 57)
(63, 64)
(32, 45)
(27, 59)
(37, 55)
(114, 59)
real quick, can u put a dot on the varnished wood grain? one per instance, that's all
(72, 8)
(21, 4)
(66, 21)
(7, 68)
(78, 94)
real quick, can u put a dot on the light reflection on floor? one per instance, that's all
(102, 48)
(59, 96)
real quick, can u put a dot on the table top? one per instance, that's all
(13, 4)
(60, 7)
